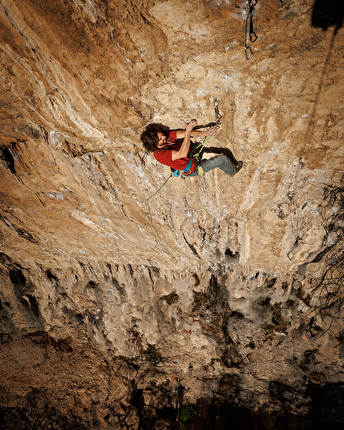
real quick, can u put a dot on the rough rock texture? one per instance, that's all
(228, 297)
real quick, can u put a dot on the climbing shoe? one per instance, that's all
(238, 166)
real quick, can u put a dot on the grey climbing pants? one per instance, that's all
(220, 161)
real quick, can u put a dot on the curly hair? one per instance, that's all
(149, 136)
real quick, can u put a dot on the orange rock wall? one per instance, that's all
(80, 260)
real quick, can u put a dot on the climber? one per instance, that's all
(175, 149)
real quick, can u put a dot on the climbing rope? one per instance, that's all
(249, 30)
(149, 216)
(199, 148)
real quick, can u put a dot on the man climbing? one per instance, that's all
(175, 149)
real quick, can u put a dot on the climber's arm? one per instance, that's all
(184, 149)
(197, 133)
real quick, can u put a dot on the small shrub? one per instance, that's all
(153, 355)
(186, 416)
(277, 314)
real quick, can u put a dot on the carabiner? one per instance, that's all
(255, 36)
(248, 49)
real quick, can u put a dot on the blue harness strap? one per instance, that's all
(176, 173)
(188, 167)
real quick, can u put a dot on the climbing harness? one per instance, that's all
(250, 35)
(176, 173)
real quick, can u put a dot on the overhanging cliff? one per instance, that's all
(233, 289)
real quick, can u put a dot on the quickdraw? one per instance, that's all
(249, 30)
(218, 117)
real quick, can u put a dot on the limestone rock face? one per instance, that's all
(226, 290)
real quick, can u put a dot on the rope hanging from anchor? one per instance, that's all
(250, 35)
